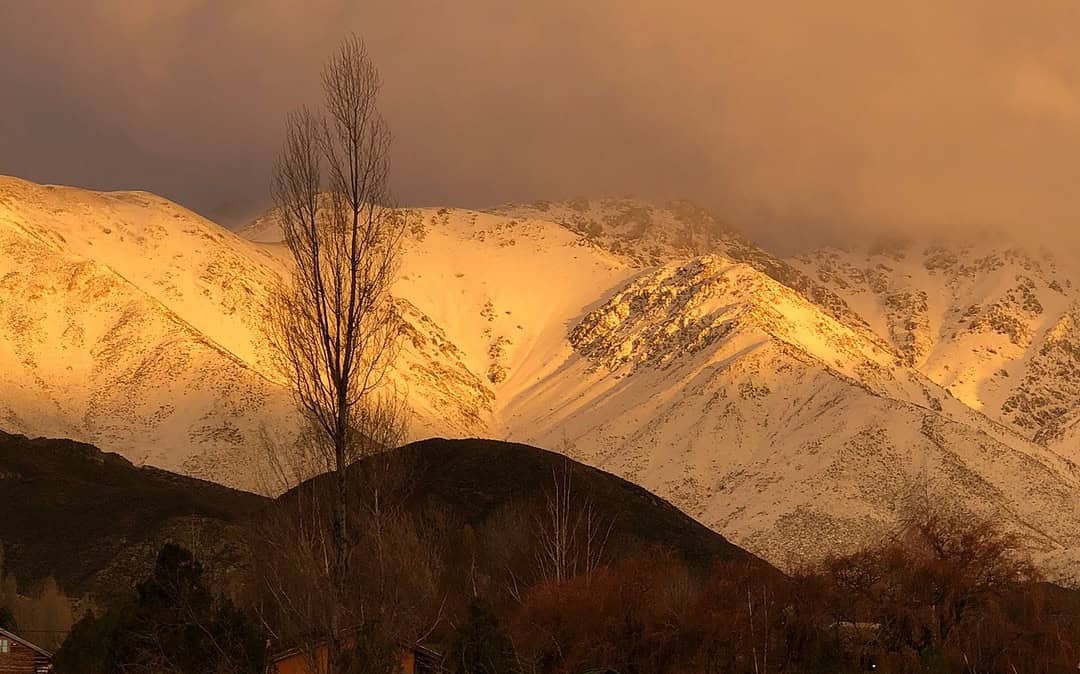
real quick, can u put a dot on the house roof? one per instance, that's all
(16, 638)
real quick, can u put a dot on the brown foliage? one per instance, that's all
(949, 589)
(944, 594)
(393, 589)
(625, 616)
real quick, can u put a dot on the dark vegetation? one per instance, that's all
(94, 522)
(483, 484)
(174, 623)
(509, 559)
(505, 558)
(457, 532)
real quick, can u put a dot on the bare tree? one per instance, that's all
(934, 583)
(333, 322)
(571, 535)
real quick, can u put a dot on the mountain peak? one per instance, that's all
(783, 402)
(646, 233)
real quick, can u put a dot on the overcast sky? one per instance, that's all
(799, 121)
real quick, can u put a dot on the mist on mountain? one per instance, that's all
(805, 123)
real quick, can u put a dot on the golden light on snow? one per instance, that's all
(781, 401)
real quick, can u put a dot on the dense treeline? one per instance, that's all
(944, 594)
(554, 585)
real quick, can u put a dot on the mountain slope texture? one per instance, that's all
(792, 404)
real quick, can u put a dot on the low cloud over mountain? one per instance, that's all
(805, 122)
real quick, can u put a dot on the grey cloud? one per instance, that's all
(800, 122)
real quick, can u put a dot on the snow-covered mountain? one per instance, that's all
(133, 323)
(997, 326)
(790, 404)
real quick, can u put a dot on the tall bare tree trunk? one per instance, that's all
(333, 323)
(571, 536)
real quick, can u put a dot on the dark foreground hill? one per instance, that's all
(477, 480)
(94, 521)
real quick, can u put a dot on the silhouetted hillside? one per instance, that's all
(94, 521)
(475, 482)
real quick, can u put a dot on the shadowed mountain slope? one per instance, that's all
(95, 522)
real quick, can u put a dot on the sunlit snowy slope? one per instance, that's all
(790, 404)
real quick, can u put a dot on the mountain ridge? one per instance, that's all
(769, 398)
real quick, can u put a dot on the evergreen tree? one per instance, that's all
(87, 648)
(480, 645)
(175, 624)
